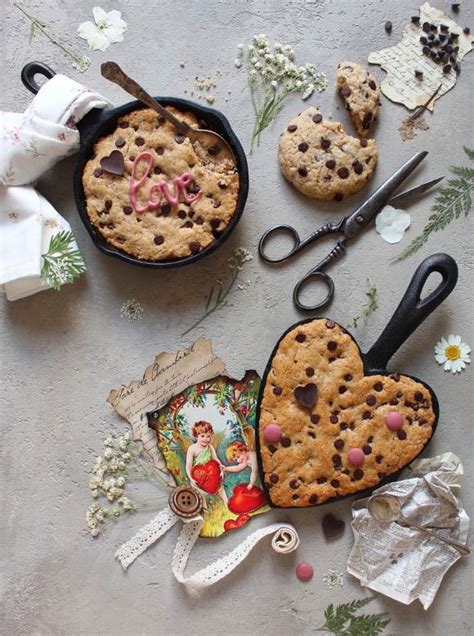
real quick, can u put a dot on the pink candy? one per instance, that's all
(272, 433)
(356, 456)
(394, 421)
(304, 572)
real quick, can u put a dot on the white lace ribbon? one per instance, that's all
(285, 539)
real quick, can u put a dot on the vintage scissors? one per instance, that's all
(350, 226)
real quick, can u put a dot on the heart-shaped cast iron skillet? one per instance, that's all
(410, 313)
(100, 122)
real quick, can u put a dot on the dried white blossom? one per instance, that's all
(333, 578)
(132, 310)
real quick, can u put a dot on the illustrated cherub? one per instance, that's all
(203, 467)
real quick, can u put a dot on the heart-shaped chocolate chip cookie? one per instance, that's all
(342, 431)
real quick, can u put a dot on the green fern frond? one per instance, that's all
(61, 264)
(342, 621)
(469, 152)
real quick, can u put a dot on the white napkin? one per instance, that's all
(30, 143)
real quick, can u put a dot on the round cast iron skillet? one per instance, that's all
(408, 316)
(100, 122)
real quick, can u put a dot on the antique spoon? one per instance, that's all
(386, 508)
(216, 147)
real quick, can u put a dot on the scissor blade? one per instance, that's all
(362, 216)
(399, 200)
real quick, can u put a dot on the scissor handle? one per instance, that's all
(317, 272)
(298, 244)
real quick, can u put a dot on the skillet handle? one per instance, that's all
(31, 69)
(413, 310)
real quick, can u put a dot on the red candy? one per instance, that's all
(304, 572)
(272, 433)
(394, 421)
(356, 456)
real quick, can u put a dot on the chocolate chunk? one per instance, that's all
(313, 500)
(388, 26)
(330, 163)
(378, 459)
(325, 143)
(371, 400)
(321, 480)
(443, 28)
(159, 240)
(317, 118)
(309, 372)
(358, 167)
(274, 478)
(358, 473)
(277, 390)
(332, 346)
(303, 146)
(108, 204)
(300, 337)
(367, 449)
(120, 142)
(339, 444)
(272, 448)
(294, 497)
(194, 247)
(302, 171)
(165, 209)
(366, 415)
(332, 526)
(447, 68)
(314, 418)
(188, 224)
(338, 196)
(139, 141)
(419, 397)
(292, 128)
(285, 442)
(343, 173)
(127, 209)
(114, 163)
(334, 419)
(97, 172)
(336, 460)
(401, 434)
(426, 27)
(373, 85)
(157, 170)
(342, 389)
(311, 434)
(306, 395)
(345, 91)
(415, 19)
(343, 426)
(393, 402)
(455, 7)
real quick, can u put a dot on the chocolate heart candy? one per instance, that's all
(306, 395)
(114, 163)
(340, 433)
(332, 527)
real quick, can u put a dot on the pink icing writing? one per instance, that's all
(160, 189)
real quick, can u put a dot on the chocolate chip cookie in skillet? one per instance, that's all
(361, 95)
(321, 160)
(152, 195)
(332, 421)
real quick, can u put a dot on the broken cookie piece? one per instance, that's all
(361, 95)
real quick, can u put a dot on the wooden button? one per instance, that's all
(186, 502)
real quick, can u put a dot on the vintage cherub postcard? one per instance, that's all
(206, 434)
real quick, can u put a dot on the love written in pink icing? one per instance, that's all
(158, 190)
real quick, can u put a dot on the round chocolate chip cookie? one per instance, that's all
(361, 95)
(321, 160)
(154, 195)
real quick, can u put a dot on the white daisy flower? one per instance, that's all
(108, 28)
(452, 353)
(392, 223)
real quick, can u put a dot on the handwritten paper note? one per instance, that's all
(400, 62)
(168, 375)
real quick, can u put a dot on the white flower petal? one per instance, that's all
(113, 34)
(456, 366)
(99, 15)
(114, 19)
(98, 42)
(440, 358)
(447, 365)
(392, 223)
(454, 340)
(86, 30)
(465, 349)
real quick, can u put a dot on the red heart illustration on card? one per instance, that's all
(233, 524)
(246, 500)
(207, 476)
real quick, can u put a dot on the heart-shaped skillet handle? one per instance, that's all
(413, 310)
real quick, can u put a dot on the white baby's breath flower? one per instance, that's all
(452, 353)
(108, 28)
(108, 453)
(333, 579)
(238, 63)
(132, 310)
(392, 223)
(109, 441)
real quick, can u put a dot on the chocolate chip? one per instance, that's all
(277, 390)
(338, 196)
(180, 138)
(447, 68)
(395, 376)
(215, 223)
(367, 449)
(194, 247)
(426, 27)
(309, 371)
(401, 434)
(342, 389)
(334, 419)
(314, 418)
(292, 128)
(348, 377)
(393, 402)
(321, 480)
(358, 167)
(423, 40)
(325, 143)
(108, 204)
(466, 30)
(313, 500)
(127, 209)
(330, 163)
(343, 426)
(285, 442)
(311, 434)
(317, 118)
(123, 124)
(335, 483)
(300, 337)
(366, 415)
(421, 421)
(302, 171)
(159, 240)
(378, 459)
(345, 91)
(358, 473)
(378, 386)
(373, 85)
(182, 214)
(165, 209)
(303, 146)
(330, 324)
(274, 478)
(120, 142)
(132, 157)
(188, 224)
(306, 395)
(415, 19)
(332, 346)
(331, 525)
(139, 141)
(339, 444)
(97, 172)
(294, 483)
(199, 220)
(419, 74)
(366, 121)
(371, 400)
(343, 173)
(272, 448)
(110, 226)
(419, 397)
(336, 459)
(364, 143)
(388, 26)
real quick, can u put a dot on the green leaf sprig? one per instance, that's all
(61, 264)
(342, 620)
(452, 201)
(369, 307)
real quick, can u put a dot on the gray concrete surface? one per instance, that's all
(62, 352)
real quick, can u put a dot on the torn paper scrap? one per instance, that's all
(402, 60)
